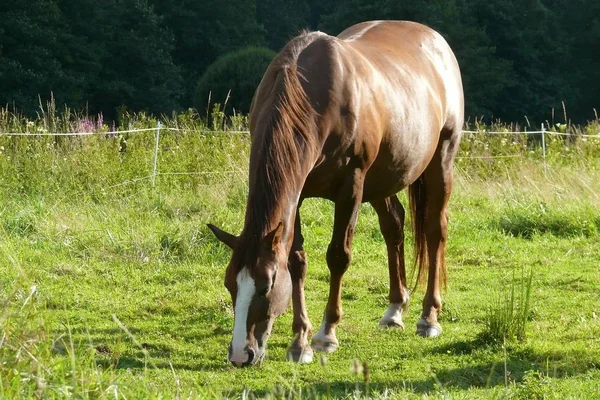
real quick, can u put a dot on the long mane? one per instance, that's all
(283, 133)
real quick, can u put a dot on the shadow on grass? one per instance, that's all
(158, 356)
(114, 349)
(527, 224)
(520, 362)
(138, 363)
(464, 347)
(520, 358)
(558, 362)
(486, 375)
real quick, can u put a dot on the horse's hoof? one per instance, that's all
(327, 345)
(393, 316)
(426, 329)
(300, 355)
(394, 324)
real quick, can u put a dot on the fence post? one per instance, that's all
(156, 139)
(544, 147)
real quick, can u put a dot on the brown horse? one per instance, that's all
(354, 118)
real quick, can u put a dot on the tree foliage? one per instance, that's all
(282, 19)
(31, 53)
(141, 69)
(518, 58)
(205, 30)
(232, 79)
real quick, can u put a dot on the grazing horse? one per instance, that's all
(354, 118)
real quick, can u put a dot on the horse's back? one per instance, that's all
(384, 91)
(403, 51)
(414, 84)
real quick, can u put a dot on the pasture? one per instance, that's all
(112, 288)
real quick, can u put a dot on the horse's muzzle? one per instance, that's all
(245, 358)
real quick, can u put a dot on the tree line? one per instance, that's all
(519, 59)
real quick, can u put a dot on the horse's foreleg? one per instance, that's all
(438, 185)
(391, 221)
(347, 206)
(299, 350)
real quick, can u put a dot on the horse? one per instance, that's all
(354, 118)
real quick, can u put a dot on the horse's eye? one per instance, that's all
(263, 292)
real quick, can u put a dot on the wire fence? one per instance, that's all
(95, 133)
(118, 132)
(543, 133)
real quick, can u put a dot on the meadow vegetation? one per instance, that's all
(112, 288)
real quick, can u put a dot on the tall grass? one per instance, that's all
(94, 165)
(509, 311)
(101, 165)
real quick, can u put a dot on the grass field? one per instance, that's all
(112, 290)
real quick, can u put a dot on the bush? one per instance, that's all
(239, 72)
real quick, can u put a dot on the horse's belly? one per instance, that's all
(381, 184)
(384, 180)
(324, 180)
(401, 160)
(389, 174)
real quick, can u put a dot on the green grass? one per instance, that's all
(509, 312)
(115, 291)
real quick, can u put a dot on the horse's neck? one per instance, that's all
(266, 209)
(274, 198)
(283, 147)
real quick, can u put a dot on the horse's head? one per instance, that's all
(260, 291)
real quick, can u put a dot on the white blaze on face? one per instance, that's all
(245, 292)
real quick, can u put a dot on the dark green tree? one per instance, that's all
(205, 30)
(318, 9)
(485, 75)
(349, 12)
(282, 19)
(135, 54)
(579, 33)
(518, 58)
(86, 45)
(526, 33)
(32, 35)
(233, 78)
(105, 54)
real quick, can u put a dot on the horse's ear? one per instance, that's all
(275, 237)
(227, 238)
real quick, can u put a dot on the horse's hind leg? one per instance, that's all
(338, 258)
(299, 350)
(391, 221)
(437, 178)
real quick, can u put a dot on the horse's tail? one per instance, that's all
(417, 193)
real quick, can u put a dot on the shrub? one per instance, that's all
(239, 72)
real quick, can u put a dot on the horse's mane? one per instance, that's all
(283, 134)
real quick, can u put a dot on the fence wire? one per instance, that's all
(204, 133)
(96, 133)
(212, 132)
